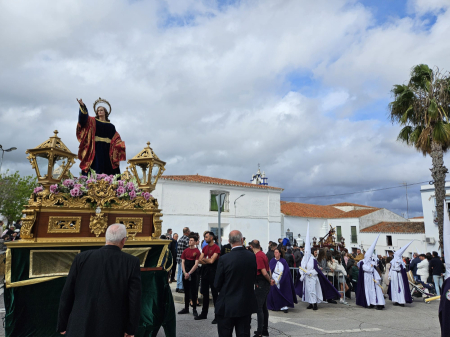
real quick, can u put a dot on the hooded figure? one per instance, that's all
(369, 292)
(282, 293)
(444, 305)
(398, 289)
(313, 287)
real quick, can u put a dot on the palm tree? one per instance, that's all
(422, 108)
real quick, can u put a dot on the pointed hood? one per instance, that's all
(307, 249)
(369, 252)
(417, 251)
(400, 251)
(446, 241)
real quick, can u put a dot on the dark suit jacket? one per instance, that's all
(102, 294)
(235, 282)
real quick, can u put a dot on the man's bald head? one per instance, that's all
(116, 235)
(235, 238)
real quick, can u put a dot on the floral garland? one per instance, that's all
(77, 187)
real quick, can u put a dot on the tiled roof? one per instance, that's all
(417, 217)
(357, 213)
(395, 227)
(319, 211)
(216, 181)
(350, 204)
(309, 210)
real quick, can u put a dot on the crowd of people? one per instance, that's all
(286, 271)
(11, 232)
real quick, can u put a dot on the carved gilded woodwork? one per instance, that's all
(157, 225)
(98, 223)
(133, 225)
(64, 224)
(27, 223)
(51, 262)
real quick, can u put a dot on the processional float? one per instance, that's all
(65, 216)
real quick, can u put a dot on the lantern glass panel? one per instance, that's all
(155, 172)
(59, 165)
(142, 173)
(42, 163)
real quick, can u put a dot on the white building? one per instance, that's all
(348, 219)
(189, 201)
(429, 215)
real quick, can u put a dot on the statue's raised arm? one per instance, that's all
(101, 148)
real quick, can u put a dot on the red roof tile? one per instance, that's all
(395, 227)
(350, 204)
(357, 213)
(216, 181)
(309, 210)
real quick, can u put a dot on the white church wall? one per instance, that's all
(398, 241)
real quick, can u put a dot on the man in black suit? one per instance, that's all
(102, 294)
(235, 281)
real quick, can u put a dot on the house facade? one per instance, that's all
(189, 201)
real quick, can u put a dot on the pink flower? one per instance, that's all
(101, 176)
(54, 189)
(146, 195)
(77, 186)
(90, 181)
(120, 191)
(38, 189)
(68, 182)
(130, 186)
(82, 178)
(108, 180)
(76, 192)
(132, 194)
(120, 182)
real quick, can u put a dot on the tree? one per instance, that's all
(14, 193)
(422, 108)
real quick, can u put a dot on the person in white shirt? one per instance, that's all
(422, 268)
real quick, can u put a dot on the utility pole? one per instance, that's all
(407, 205)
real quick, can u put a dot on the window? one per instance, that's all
(389, 240)
(213, 202)
(354, 236)
(338, 233)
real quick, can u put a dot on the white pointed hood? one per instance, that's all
(307, 256)
(446, 235)
(369, 252)
(399, 253)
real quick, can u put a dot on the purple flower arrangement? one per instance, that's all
(77, 187)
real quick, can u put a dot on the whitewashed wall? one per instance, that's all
(257, 214)
(379, 216)
(428, 207)
(398, 241)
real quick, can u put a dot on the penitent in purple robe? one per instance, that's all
(408, 298)
(285, 296)
(329, 292)
(444, 308)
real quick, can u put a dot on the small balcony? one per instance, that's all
(354, 238)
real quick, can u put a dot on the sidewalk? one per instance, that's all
(179, 297)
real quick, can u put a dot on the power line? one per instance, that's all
(366, 191)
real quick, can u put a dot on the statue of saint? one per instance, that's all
(101, 148)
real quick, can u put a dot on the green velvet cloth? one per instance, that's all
(32, 310)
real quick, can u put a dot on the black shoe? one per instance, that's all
(195, 313)
(401, 305)
(395, 303)
(176, 290)
(199, 317)
(380, 307)
(214, 321)
(184, 311)
(181, 291)
(256, 335)
(310, 306)
(332, 301)
(315, 306)
(265, 333)
(285, 311)
(371, 306)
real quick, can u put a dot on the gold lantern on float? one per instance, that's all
(147, 168)
(51, 160)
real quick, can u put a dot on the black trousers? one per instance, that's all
(190, 291)
(241, 325)
(174, 268)
(262, 288)
(208, 282)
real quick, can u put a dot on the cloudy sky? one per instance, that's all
(301, 87)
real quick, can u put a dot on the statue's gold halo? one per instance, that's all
(101, 100)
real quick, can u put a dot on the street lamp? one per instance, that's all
(3, 152)
(235, 203)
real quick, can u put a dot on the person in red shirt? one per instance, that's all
(262, 288)
(208, 259)
(189, 264)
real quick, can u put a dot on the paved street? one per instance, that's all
(417, 319)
